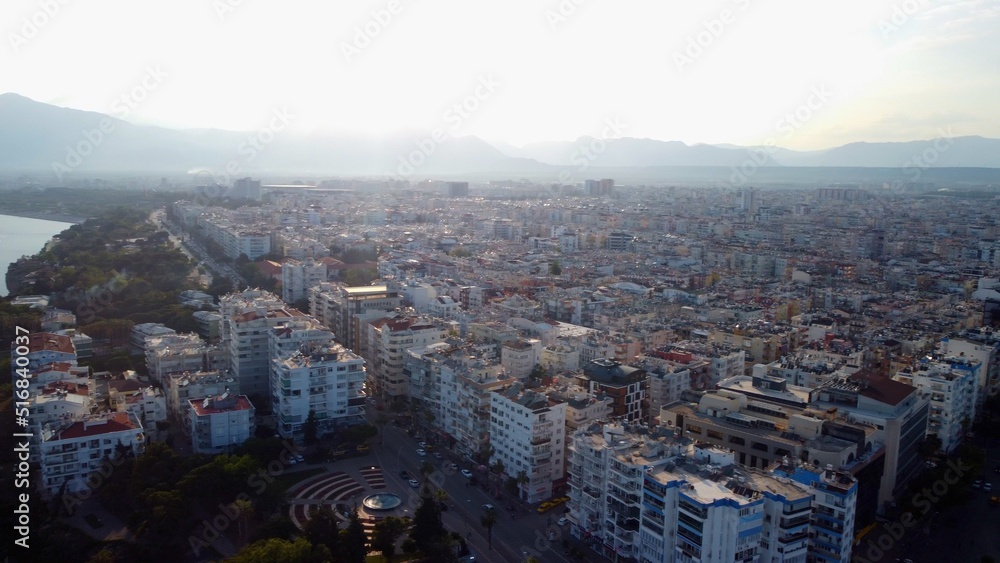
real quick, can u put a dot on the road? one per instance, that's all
(514, 536)
(195, 251)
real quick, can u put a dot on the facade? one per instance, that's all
(527, 432)
(217, 424)
(519, 357)
(297, 277)
(180, 388)
(626, 386)
(175, 353)
(952, 395)
(639, 494)
(249, 317)
(388, 340)
(324, 378)
(72, 450)
(344, 309)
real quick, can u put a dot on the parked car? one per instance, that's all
(977, 483)
(437, 455)
(414, 483)
(299, 458)
(467, 474)
(988, 487)
(404, 474)
(422, 444)
(489, 507)
(421, 453)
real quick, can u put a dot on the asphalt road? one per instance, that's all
(514, 537)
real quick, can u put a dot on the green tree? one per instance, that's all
(427, 526)
(354, 542)
(321, 528)
(387, 531)
(282, 551)
(554, 268)
(310, 428)
(488, 520)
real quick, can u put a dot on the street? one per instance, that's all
(514, 537)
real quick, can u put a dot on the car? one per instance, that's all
(299, 458)
(414, 483)
(292, 461)
(994, 500)
(489, 507)
(338, 452)
(467, 559)
(977, 483)
(560, 500)
(421, 453)
(544, 507)
(467, 474)
(453, 466)
(363, 447)
(404, 474)
(988, 487)
(562, 521)
(422, 444)
(437, 455)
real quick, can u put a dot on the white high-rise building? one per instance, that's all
(324, 378)
(220, 423)
(527, 432)
(298, 277)
(72, 450)
(952, 396)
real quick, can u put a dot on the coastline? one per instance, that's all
(42, 216)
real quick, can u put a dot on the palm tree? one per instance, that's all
(488, 520)
(245, 509)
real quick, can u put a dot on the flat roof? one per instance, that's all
(242, 403)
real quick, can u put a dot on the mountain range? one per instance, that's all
(39, 137)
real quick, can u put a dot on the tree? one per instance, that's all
(246, 512)
(554, 268)
(354, 543)
(387, 531)
(488, 520)
(276, 550)
(427, 526)
(310, 428)
(321, 528)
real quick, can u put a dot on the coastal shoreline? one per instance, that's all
(42, 216)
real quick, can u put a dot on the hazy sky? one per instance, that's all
(806, 74)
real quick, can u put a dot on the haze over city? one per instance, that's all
(718, 72)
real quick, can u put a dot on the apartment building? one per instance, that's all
(344, 309)
(897, 412)
(175, 353)
(952, 395)
(141, 332)
(388, 340)
(179, 388)
(626, 386)
(297, 277)
(324, 378)
(219, 423)
(72, 450)
(527, 432)
(249, 320)
(649, 495)
(519, 357)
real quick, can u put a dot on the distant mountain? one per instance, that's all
(43, 137)
(955, 152)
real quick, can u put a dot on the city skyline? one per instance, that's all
(735, 72)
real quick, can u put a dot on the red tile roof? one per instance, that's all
(117, 422)
(52, 342)
(242, 404)
(882, 388)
